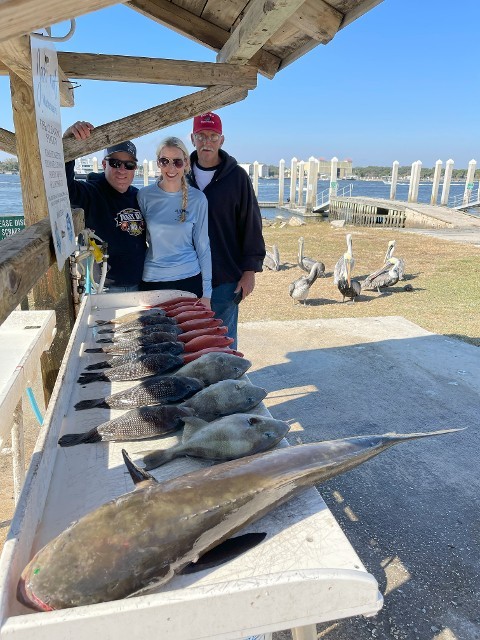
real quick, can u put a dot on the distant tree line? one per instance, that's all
(10, 164)
(403, 172)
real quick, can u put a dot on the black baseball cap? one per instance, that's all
(127, 147)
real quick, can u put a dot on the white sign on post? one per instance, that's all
(47, 111)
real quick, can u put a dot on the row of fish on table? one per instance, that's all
(391, 271)
(142, 539)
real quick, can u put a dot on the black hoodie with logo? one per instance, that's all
(116, 218)
(234, 221)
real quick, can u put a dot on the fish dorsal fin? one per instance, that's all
(140, 477)
(192, 425)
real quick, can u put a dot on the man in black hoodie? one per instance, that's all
(234, 220)
(111, 209)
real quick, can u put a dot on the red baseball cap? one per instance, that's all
(207, 121)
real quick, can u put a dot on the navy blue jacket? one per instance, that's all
(234, 221)
(116, 218)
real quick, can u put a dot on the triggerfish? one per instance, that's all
(145, 537)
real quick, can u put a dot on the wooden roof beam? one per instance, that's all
(261, 20)
(16, 55)
(318, 20)
(19, 17)
(156, 70)
(8, 142)
(199, 30)
(164, 115)
(358, 11)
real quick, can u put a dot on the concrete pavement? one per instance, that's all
(412, 514)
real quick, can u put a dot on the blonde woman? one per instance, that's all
(178, 254)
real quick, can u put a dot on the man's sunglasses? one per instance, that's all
(177, 162)
(129, 165)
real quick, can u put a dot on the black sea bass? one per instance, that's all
(144, 537)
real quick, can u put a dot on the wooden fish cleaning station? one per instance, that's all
(305, 571)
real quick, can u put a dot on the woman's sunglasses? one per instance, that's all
(177, 162)
(129, 165)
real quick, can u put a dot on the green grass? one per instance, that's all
(445, 277)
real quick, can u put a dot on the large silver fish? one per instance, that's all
(224, 398)
(146, 325)
(143, 314)
(215, 366)
(148, 335)
(144, 367)
(156, 390)
(145, 537)
(174, 348)
(227, 438)
(137, 424)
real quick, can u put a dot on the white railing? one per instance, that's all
(463, 199)
(324, 196)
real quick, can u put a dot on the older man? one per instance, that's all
(234, 220)
(111, 209)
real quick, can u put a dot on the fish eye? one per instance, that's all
(253, 420)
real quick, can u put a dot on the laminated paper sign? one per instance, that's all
(47, 110)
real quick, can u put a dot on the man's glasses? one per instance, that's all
(177, 162)
(201, 137)
(129, 165)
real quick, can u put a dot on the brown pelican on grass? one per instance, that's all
(272, 259)
(300, 288)
(388, 274)
(307, 263)
(342, 275)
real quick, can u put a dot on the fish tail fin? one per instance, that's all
(102, 322)
(109, 330)
(138, 475)
(89, 404)
(71, 439)
(97, 350)
(157, 457)
(86, 378)
(104, 340)
(424, 434)
(99, 365)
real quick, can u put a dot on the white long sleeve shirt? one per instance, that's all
(176, 249)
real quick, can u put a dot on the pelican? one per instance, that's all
(272, 260)
(401, 261)
(388, 274)
(307, 263)
(342, 275)
(300, 288)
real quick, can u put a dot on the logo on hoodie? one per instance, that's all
(131, 221)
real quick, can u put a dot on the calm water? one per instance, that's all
(11, 198)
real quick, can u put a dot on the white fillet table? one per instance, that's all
(303, 573)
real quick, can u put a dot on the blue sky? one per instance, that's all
(401, 83)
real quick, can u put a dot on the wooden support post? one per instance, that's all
(436, 182)
(18, 451)
(53, 291)
(416, 180)
(467, 194)
(281, 183)
(301, 182)
(293, 182)
(393, 188)
(412, 180)
(446, 182)
(256, 167)
(145, 173)
(333, 177)
(311, 181)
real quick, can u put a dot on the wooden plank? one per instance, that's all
(156, 70)
(318, 20)
(54, 290)
(199, 30)
(19, 17)
(7, 142)
(359, 11)
(164, 115)
(223, 14)
(261, 20)
(25, 257)
(16, 54)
